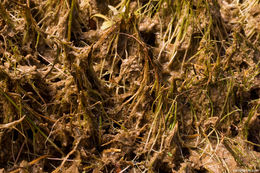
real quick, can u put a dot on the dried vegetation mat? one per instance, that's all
(129, 86)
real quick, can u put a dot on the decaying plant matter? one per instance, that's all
(129, 86)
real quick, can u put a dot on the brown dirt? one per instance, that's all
(129, 86)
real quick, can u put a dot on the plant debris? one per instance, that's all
(129, 86)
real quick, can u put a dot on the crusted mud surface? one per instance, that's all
(129, 86)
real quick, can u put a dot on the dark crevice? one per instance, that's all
(148, 37)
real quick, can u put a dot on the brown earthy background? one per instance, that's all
(129, 86)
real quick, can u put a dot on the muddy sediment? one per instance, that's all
(129, 86)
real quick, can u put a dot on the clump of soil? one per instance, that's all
(129, 86)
